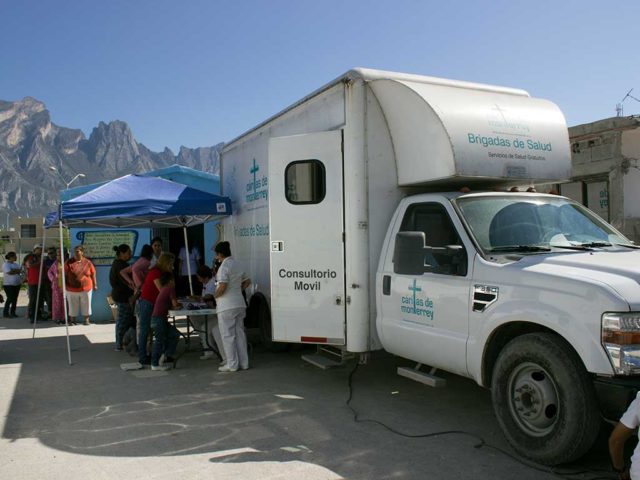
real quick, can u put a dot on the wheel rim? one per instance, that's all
(533, 399)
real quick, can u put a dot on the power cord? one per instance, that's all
(481, 443)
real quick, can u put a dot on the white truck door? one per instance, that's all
(424, 317)
(306, 238)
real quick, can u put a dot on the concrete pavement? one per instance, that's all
(282, 419)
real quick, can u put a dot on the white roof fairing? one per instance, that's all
(448, 131)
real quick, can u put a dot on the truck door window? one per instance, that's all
(434, 221)
(305, 182)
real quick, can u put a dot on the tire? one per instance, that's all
(259, 307)
(544, 400)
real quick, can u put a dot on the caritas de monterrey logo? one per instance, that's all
(258, 187)
(417, 305)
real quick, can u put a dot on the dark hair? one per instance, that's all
(146, 252)
(156, 239)
(223, 248)
(204, 272)
(122, 248)
(166, 278)
(9, 255)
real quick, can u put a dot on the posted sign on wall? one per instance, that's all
(98, 245)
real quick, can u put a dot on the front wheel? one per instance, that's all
(544, 400)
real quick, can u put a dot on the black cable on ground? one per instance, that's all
(481, 443)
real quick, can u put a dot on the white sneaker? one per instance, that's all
(161, 368)
(207, 355)
(225, 368)
(222, 363)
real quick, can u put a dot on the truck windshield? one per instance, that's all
(535, 224)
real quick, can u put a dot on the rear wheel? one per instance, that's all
(261, 318)
(544, 400)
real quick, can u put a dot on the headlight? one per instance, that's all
(621, 340)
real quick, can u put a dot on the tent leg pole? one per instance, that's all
(64, 293)
(188, 260)
(35, 314)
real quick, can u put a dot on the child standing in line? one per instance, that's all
(165, 335)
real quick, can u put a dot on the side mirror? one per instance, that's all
(458, 259)
(408, 254)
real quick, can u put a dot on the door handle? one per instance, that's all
(386, 285)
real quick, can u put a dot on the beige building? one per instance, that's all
(606, 171)
(27, 232)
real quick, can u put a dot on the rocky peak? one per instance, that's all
(23, 119)
(112, 146)
(30, 144)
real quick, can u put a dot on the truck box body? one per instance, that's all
(351, 220)
(393, 135)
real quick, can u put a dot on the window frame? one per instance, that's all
(323, 170)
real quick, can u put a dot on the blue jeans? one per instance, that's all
(165, 339)
(145, 308)
(123, 322)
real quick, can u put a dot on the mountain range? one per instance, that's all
(30, 144)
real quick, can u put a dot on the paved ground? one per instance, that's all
(282, 419)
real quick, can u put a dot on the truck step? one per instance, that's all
(328, 356)
(321, 361)
(422, 377)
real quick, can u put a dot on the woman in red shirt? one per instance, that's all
(150, 289)
(80, 279)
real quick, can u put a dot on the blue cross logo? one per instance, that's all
(414, 289)
(254, 170)
(500, 111)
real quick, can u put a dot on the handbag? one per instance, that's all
(73, 279)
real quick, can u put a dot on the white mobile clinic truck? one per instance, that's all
(350, 218)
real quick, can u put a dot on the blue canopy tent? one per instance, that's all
(138, 201)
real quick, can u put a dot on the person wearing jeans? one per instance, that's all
(121, 292)
(145, 309)
(149, 294)
(165, 335)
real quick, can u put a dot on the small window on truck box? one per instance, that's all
(305, 182)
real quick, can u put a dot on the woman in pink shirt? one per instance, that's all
(57, 295)
(134, 274)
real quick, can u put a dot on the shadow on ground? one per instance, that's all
(282, 409)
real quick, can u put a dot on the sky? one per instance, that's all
(200, 72)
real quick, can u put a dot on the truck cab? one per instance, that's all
(529, 294)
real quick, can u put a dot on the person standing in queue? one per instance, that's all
(135, 274)
(57, 294)
(80, 280)
(121, 292)
(231, 309)
(11, 282)
(165, 335)
(150, 289)
(156, 246)
(31, 264)
(48, 260)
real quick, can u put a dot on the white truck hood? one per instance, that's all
(619, 269)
